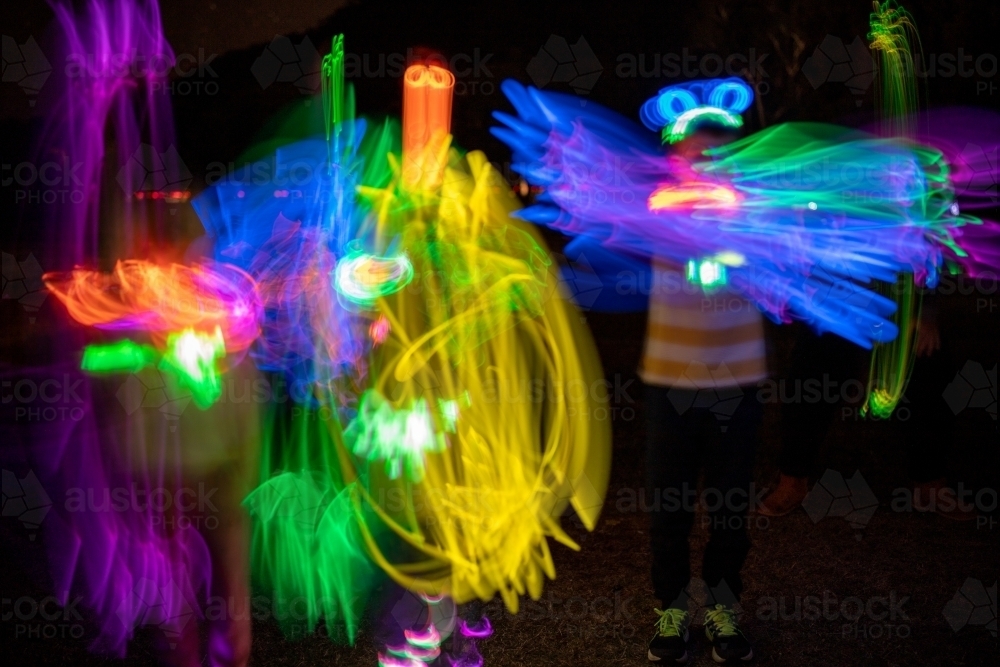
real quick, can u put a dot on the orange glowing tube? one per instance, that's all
(140, 295)
(427, 96)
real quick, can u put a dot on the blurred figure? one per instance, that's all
(929, 431)
(819, 370)
(695, 351)
(209, 459)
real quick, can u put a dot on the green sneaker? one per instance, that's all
(729, 646)
(669, 644)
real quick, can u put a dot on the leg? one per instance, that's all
(728, 491)
(671, 477)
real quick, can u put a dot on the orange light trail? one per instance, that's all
(161, 299)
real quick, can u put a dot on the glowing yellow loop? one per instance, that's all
(482, 329)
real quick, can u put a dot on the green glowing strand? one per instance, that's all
(336, 108)
(892, 363)
(306, 544)
(124, 356)
(892, 34)
(314, 556)
(801, 152)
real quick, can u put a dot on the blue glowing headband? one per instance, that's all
(677, 110)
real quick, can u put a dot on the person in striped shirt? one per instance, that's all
(704, 356)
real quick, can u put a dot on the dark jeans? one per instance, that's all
(830, 362)
(684, 435)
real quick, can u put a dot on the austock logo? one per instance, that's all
(25, 65)
(716, 390)
(22, 280)
(833, 496)
(973, 604)
(558, 62)
(973, 387)
(150, 173)
(25, 500)
(295, 497)
(149, 388)
(284, 62)
(410, 611)
(976, 172)
(163, 606)
(579, 281)
(835, 62)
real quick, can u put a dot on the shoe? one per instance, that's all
(729, 646)
(669, 644)
(785, 497)
(935, 496)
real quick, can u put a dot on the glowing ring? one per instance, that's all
(740, 92)
(362, 278)
(663, 108)
(667, 101)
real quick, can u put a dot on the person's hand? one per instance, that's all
(928, 338)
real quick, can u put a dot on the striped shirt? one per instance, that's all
(698, 340)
